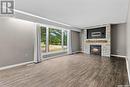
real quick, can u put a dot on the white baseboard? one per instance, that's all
(118, 56)
(128, 71)
(82, 51)
(76, 52)
(15, 65)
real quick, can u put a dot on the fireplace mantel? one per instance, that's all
(96, 41)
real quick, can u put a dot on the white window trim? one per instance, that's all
(51, 26)
(38, 54)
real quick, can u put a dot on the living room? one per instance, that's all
(64, 43)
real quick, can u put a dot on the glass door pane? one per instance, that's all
(55, 40)
(65, 39)
(43, 39)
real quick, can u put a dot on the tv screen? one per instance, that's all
(96, 33)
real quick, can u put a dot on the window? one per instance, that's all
(65, 39)
(55, 40)
(43, 39)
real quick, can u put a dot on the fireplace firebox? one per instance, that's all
(95, 49)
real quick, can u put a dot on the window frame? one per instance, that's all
(47, 38)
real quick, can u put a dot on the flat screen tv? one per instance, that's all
(96, 33)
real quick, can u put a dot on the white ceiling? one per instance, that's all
(81, 13)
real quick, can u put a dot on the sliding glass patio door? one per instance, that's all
(53, 40)
(43, 39)
(65, 39)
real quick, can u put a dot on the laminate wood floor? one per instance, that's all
(78, 70)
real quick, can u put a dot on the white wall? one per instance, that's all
(118, 39)
(128, 43)
(75, 41)
(16, 41)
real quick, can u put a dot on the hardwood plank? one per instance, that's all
(78, 70)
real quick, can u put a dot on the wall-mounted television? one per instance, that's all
(96, 33)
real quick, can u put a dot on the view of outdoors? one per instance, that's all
(43, 39)
(57, 41)
(65, 39)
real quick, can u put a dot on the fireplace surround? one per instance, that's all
(104, 40)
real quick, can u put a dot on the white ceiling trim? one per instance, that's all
(43, 18)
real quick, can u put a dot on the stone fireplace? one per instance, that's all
(98, 42)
